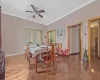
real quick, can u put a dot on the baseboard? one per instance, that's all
(98, 57)
(14, 54)
(74, 53)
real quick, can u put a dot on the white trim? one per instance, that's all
(14, 54)
(22, 18)
(85, 4)
(32, 28)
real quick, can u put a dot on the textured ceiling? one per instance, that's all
(55, 9)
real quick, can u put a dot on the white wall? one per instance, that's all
(13, 33)
(81, 15)
(74, 40)
(85, 35)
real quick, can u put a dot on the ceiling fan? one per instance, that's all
(36, 11)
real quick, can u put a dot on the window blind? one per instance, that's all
(32, 35)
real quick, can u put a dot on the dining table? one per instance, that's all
(36, 51)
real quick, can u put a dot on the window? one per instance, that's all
(32, 35)
(52, 35)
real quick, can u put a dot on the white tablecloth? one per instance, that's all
(38, 50)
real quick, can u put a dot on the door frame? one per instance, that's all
(48, 34)
(89, 36)
(81, 37)
(0, 29)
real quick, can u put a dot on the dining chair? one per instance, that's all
(58, 47)
(28, 54)
(50, 57)
(42, 43)
(30, 43)
(61, 53)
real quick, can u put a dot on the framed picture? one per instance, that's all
(61, 32)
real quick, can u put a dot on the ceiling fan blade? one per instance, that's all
(40, 15)
(29, 11)
(41, 11)
(33, 7)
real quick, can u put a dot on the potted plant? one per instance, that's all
(51, 41)
(85, 56)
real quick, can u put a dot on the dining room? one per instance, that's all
(34, 38)
(40, 57)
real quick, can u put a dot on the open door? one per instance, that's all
(97, 39)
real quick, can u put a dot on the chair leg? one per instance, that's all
(53, 64)
(42, 65)
(26, 55)
(47, 67)
(29, 62)
(65, 58)
(36, 65)
(59, 58)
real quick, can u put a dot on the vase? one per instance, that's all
(85, 58)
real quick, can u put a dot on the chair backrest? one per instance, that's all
(27, 54)
(43, 43)
(27, 47)
(51, 51)
(58, 45)
(30, 43)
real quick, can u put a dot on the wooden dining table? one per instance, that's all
(37, 50)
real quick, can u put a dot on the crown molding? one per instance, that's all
(85, 4)
(22, 18)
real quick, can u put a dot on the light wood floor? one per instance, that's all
(17, 69)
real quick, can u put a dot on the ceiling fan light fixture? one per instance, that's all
(36, 11)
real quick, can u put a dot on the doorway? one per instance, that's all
(75, 39)
(51, 36)
(94, 38)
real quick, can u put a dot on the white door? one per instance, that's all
(74, 40)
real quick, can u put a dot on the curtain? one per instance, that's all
(32, 35)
